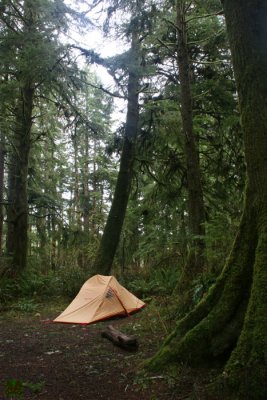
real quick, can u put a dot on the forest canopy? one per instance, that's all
(63, 183)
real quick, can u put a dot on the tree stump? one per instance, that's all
(120, 339)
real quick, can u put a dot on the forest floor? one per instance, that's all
(42, 360)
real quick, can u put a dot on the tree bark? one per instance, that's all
(232, 319)
(17, 214)
(42, 243)
(85, 181)
(112, 231)
(2, 171)
(95, 207)
(196, 210)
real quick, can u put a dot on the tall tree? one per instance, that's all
(111, 235)
(68, 166)
(192, 65)
(196, 210)
(232, 319)
(17, 238)
(33, 62)
(2, 170)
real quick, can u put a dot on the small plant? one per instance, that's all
(26, 306)
(158, 281)
(71, 280)
(201, 287)
(8, 290)
(34, 387)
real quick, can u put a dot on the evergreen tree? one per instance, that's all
(69, 171)
(111, 235)
(196, 211)
(161, 163)
(129, 63)
(34, 64)
(231, 320)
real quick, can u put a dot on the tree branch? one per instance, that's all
(205, 16)
(100, 87)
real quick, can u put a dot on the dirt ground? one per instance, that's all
(42, 360)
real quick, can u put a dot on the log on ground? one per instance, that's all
(120, 339)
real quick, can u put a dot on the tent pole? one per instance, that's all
(121, 303)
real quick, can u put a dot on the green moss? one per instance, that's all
(244, 372)
(196, 335)
(246, 383)
(162, 359)
(226, 339)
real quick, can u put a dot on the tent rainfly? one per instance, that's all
(100, 297)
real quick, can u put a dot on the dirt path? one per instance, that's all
(70, 362)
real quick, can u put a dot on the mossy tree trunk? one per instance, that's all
(196, 211)
(112, 231)
(232, 319)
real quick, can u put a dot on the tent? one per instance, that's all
(100, 297)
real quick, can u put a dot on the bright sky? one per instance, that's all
(94, 39)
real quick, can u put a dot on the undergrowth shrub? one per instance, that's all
(8, 290)
(26, 305)
(28, 285)
(200, 287)
(33, 285)
(71, 280)
(159, 281)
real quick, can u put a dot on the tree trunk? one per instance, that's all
(86, 193)
(10, 208)
(196, 211)
(3, 136)
(95, 211)
(2, 170)
(232, 319)
(42, 243)
(111, 236)
(17, 216)
(76, 196)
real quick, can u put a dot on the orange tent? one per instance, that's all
(100, 297)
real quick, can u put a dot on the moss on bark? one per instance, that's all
(220, 313)
(233, 317)
(246, 371)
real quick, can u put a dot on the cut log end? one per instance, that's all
(120, 339)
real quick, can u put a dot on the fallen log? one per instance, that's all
(120, 339)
